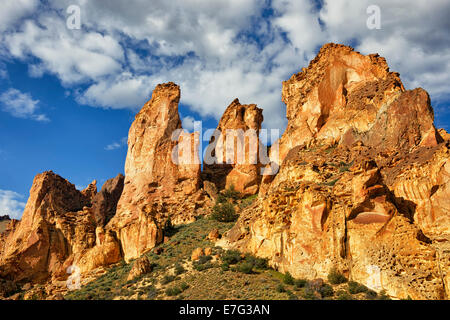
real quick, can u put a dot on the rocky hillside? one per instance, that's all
(362, 191)
(363, 185)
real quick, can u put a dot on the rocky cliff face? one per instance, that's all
(57, 229)
(156, 187)
(363, 187)
(4, 221)
(362, 182)
(344, 96)
(244, 170)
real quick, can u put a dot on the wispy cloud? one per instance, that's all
(116, 144)
(11, 203)
(21, 105)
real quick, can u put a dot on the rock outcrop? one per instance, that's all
(161, 182)
(104, 203)
(4, 221)
(140, 267)
(344, 96)
(57, 230)
(363, 182)
(363, 187)
(236, 149)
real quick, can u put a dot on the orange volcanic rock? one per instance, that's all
(140, 267)
(4, 221)
(363, 182)
(444, 134)
(37, 247)
(344, 96)
(161, 182)
(104, 203)
(237, 156)
(90, 191)
(57, 230)
(363, 187)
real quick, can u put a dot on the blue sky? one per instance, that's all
(68, 97)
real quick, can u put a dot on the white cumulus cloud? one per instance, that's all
(221, 50)
(11, 203)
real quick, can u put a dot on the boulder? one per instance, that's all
(140, 267)
(197, 253)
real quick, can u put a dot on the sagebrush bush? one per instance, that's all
(224, 212)
(231, 257)
(335, 277)
(280, 288)
(231, 193)
(343, 295)
(179, 269)
(174, 291)
(300, 283)
(355, 287)
(204, 259)
(288, 279)
(308, 294)
(184, 286)
(257, 263)
(245, 267)
(326, 291)
(167, 278)
(225, 266)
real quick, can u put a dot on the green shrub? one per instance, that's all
(280, 288)
(308, 294)
(179, 269)
(257, 263)
(184, 286)
(355, 287)
(225, 266)
(291, 295)
(288, 279)
(335, 277)
(326, 291)
(203, 266)
(231, 257)
(246, 268)
(247, 202)
(343, 295)
(221, 198)
(167, 278)
(204, 259)
(231, 193)
(174, 291)
(224, 212)
(300, 283)
(151, 293)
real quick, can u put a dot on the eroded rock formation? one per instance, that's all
(57, 229)
(158, 185)
(237, 156)
(363, 187)
(363, 182)
(344, 96)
